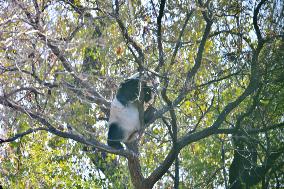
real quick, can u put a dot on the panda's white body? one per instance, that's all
(127, 117)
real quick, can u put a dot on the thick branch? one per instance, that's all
(162, 169)
(135, 171)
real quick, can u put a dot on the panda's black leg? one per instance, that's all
(115, 135)
(114, 144)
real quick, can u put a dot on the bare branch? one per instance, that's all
(191, 73)
(73, 33)
(79, 8)
(219, 79)
(14, 69)
(202, 116)
(251, 131)
(265, 129)
(31, 89)
(173, 117)
(256, 27)
(86, 95)
(99, 99)
(178, 42)
(199, 55)
(20, 135)
(159, 35)
(128, 39)
(216, 33)
(153, 7)
(37, 16)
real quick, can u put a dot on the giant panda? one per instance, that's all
(124, 124)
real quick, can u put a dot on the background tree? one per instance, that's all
(218, 119)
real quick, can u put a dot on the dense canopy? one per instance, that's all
(217, 118)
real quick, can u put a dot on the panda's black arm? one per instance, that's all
(149, 114)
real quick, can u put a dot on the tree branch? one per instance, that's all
(102, 147)
(251, 131)
(252, 86)
(20, 135)
(199, 55)
(216, 33)
(162, 169)
(174, 135)
(192, 137)
(190, 75)
(31, 89)
(129, 39)
(159, 35)
(14, 69)
(99, 99)
(178, 42)
(255, 25)
(219, 79)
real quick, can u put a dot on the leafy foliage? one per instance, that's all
(218, 119)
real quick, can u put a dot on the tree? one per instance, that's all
(216, 121)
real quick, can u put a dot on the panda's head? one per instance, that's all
(130, 89)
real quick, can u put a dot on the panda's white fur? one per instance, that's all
(127, 117)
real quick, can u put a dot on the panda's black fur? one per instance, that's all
(124, 123)
(129, 91)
